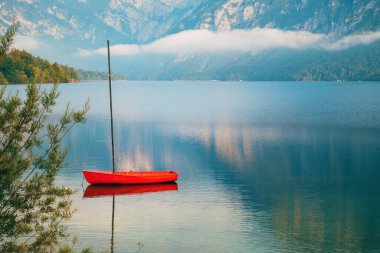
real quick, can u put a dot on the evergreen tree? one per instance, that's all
(32, 207)
(7, 39)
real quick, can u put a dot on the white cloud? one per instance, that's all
(26, 1)
(255, 40)
(26, 43)
(353, 40)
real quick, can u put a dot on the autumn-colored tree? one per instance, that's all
(20, 67)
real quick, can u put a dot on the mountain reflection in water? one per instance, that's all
(317, 186)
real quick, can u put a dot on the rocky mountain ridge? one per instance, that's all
(142, 21)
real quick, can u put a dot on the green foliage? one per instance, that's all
(358, 64)
(32, 207)
(3, 81)
(96, 75)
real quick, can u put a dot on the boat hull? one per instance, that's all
(130, 177)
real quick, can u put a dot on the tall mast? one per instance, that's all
(110, 91)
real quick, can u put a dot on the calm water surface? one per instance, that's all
(264, 167)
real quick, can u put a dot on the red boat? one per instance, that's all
(129, 177)
(125, 177)
(113, 190)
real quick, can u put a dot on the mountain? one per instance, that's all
(92, 22)
(323, 16)
(61, 29)
(140, 21)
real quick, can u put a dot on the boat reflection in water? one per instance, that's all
(113, 190)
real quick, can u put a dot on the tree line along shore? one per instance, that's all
(20, 67)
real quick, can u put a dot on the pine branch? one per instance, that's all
(7, 39)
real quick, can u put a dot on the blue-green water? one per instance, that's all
(264, 167)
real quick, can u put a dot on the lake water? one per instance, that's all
(264, 166)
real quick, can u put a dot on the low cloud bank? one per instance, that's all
(352, 40)
(255, 40)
